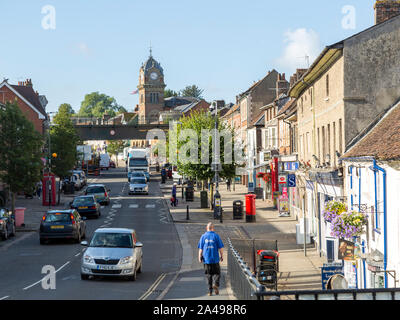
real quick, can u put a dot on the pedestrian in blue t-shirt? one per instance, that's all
(211, 253)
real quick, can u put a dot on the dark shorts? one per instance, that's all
(212, 269)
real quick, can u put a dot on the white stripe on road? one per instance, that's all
(32, 285)
(132, 206)
(153, 287)
(117, 206)
(4, 298)
(152, 206)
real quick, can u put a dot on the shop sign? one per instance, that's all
(346, 250)
(328, 271)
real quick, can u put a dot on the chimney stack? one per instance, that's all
(28, 83)
(386, 9)
(282, 86)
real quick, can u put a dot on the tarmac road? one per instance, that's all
(22, 261)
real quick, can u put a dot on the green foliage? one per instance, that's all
(20, 150)
(199, 121)
(66, 108)
(97, 104)
(170, 93)
(117, 146)
(192, 91)
(63, 141)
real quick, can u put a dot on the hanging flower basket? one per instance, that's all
(344, 224)
(267, 177)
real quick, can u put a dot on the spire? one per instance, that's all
(151, 51)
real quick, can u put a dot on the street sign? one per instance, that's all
(282, 179)
(291, 180)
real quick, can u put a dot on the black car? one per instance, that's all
(86, 206)
(62, 224)
(7, 224)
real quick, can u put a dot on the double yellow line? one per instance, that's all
(153, 287)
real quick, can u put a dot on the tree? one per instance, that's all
(66, 108)
(97, 104)
(117, 146)
(192, 91)
(20, 151)
(63, 141)
(170, 93)
(203, 170)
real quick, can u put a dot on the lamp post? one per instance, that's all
(50, 155)
(217, 195)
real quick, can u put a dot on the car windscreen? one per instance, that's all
(84, 201)
(111, 240)
(138, 181)
(58, 217)
(95, 190)
(138, 162)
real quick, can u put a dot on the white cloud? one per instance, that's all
(83, 49)
(299, 44)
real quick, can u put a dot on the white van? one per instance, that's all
(104, 161)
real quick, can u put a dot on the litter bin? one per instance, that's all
(237, 210)
(204, 199)
(259, 192)
(250, 207)
(189, 194)
(19, 216)
(267, 268)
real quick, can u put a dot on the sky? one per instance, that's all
(72, 48)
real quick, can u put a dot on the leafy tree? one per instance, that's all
(63, 141)
(198, 121)
(97, 104)
(20, 151)
(66, 108)
(117, 146)
(192, 91)
(170, 93)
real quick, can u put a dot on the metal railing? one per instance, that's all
(83, 121)
(244, 284)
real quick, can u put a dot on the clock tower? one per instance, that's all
(151, 91)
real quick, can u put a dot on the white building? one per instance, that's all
(372, 181)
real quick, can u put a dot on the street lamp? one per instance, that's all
(217, 195)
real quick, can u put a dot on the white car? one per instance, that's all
(138, 185)
(77, 180)
(112, 252)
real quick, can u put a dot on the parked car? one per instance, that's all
(86, 206)
(100, 192)
(136, 174)
(62, 224)
(138, 185)
(7, 223)
(82, 176)
(75, 178)
(112, 252)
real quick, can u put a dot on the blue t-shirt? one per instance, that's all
(210, 243)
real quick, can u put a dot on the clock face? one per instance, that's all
(153, 75)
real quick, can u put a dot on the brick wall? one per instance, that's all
(386, 9)
(6, 95)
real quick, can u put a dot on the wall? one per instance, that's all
(372, 78)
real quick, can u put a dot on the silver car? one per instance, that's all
(138, 185)
(112, 252)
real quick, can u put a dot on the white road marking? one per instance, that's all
(133, 206)
(4, 298)
(152, 206)
(192, 279)
(78, 254)
(117, 206)
(37, 282)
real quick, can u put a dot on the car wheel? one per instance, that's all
(5, 234)
(42, 241)
(140, 268)
(84, 277)
(133, 277)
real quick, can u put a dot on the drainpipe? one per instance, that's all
(376, 167)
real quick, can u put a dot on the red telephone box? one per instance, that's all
(49, 189)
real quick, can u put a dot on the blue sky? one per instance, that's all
(222, 46)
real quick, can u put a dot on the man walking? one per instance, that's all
(174, 199)
(211, 253)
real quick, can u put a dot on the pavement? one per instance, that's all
(296, 271)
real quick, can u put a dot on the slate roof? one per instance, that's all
(383, 141)
(152, 63)
(29, 94)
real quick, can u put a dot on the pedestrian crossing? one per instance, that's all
(134, 206)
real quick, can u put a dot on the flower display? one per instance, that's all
(344, 224)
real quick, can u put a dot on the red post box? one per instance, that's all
(250, 207)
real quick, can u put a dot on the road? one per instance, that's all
(23, 258)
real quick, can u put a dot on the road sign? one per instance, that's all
(282, 179)
(291, 180)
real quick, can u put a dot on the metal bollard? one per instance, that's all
(187, 212)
